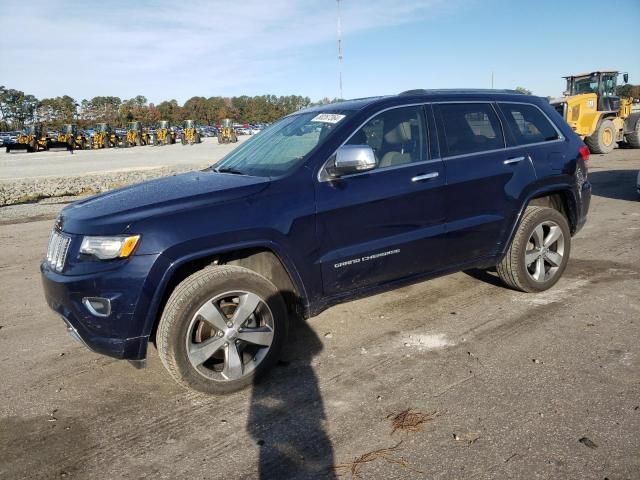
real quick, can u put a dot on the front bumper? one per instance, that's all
(119, 335)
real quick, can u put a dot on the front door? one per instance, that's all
(387, 223)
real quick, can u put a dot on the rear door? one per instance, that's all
(484, 179)
(387, 223)
(533, 134)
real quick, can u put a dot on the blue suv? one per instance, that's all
(327, 204)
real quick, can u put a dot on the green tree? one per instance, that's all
(523, 90)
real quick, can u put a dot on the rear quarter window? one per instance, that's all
(528, 124)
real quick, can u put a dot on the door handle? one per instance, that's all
(511, 161)
(424, 176)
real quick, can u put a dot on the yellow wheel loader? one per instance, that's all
(104, 137)
(33, 139)
(164, 135)
(227, 134)
(190, 134)
(135, 135)
(71, 138)
(596, 113)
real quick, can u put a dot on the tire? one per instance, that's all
(181, 329)
(183, 139)
(220, 139)
(529, 243)
(633, 138)
(603, 139)
(198, 139)
(105, 142)
(234, 138)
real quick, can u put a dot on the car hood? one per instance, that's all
(113, 212)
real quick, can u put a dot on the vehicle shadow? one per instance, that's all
(287, 417)
(488, 275)
(615, 184)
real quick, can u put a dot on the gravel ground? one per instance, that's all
(519, 385)
(28, 177)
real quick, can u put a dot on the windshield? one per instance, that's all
(282, 146)
(586, 85)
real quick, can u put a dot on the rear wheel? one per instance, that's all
(222, 327)
(633, 138)
(539, 251)
(603, 139)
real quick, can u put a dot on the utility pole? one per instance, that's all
(339, 51)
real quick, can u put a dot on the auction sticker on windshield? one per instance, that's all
(328, 117)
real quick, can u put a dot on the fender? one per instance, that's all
(168, 268)
(545, 190)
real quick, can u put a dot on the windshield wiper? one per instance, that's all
(228, 170)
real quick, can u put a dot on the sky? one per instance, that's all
(175, 50)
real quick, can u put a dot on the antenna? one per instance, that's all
(339, 51)
(492, 80)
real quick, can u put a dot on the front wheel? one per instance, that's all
(603, 140)
(222, 327)
(539, 251)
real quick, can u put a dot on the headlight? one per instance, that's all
(106, 248)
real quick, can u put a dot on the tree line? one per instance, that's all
(18, 109)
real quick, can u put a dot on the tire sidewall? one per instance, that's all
(546, 214)
(180, 318)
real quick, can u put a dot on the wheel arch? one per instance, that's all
(560, 198)
(265, 259)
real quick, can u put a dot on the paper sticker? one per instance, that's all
(328, 117)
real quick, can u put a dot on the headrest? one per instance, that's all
(400, 134)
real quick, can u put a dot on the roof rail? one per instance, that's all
(424, 91)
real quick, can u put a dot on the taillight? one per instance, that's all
(584, 152)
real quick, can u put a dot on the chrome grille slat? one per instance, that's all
(57, 250)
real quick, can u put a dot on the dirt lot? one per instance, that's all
(524, 386)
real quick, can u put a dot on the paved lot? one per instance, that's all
(87, 162)
(517, 379)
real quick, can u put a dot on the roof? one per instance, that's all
(591, 73)
(448, 91)
(444, 93)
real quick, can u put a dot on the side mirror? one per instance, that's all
(625, 77)
(353, 159)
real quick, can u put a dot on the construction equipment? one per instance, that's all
(70, 138)
(593, 109)
(135, 135)
(190, 134)
(164, 135)
(33, 139)
(226, 133)
(104, 137)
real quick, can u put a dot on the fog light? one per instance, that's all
(100, 307)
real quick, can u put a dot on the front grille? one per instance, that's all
(57, 250)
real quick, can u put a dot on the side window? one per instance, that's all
(469, 128)
(528, 123)
(396, 136)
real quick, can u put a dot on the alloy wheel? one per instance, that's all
(230, 335)
(545, 251)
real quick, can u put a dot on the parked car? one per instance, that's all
(380, 192)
